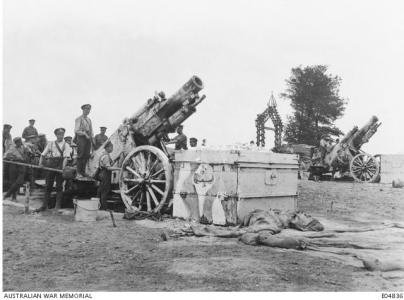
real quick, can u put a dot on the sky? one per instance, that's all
(114, 54)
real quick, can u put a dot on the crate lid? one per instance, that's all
(235, 156)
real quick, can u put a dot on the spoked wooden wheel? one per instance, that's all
(145, 180)
(364, 168)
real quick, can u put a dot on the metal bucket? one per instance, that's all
(85, 210)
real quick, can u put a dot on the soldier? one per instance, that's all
(105, 171)
(30, 130)
(42, 142)
(180, 140)
(56, 153)
(72, 160)
(33, 156)
(193, 142)
(84, 139)
(7, 143)
(100, 138)
(7, 139)
(19, 153)
(324, 145)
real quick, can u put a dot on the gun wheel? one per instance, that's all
(364, 168)
(145, 179)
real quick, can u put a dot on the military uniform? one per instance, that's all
(54, 153)
(16, 172)
(105, 179)
(181, 142)
(83, 126)
(99, 140)
(7, 142)
(28, 131)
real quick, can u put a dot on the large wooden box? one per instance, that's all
(222, 186)
(391, 167)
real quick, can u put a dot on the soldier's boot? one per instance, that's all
(59, 198)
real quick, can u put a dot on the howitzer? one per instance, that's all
(347, 155)
(145, 177)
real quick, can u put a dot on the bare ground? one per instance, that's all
(54, 253)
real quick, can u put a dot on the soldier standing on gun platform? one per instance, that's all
(56, 153)
(83, 130)
(105, 168)
(30, 130)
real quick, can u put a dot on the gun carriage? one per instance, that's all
(145, 175)
(347, 156)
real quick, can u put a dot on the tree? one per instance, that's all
(316, 102)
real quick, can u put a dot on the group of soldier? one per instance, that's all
(63, 151)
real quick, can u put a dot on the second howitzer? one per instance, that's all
(347, 155)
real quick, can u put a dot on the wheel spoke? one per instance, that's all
(141, 199)
(148, 201)
(148, 162)
(157, 173)
(157, 189)
(133, 171)
(131, 189)
(371, 174)
(157, 181)
(133, 179)
(153, 196)
(143, 161)
(356, 168)
(135, 163)
(154, 164)
(135, 197)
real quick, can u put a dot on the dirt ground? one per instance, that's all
(49, 252)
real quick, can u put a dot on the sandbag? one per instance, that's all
(397, 183)
(249, 238)
(267, 239)
(374, 264)
(259, 220)
(304, 222)
(210, 230)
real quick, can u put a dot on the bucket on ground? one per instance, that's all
(85, 210)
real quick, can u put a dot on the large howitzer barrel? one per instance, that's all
(348, 137)
(363, 135)
(160, 116)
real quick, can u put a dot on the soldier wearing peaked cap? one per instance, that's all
(29, 130)
(100, 138)
(56, 154)
(84, 138)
